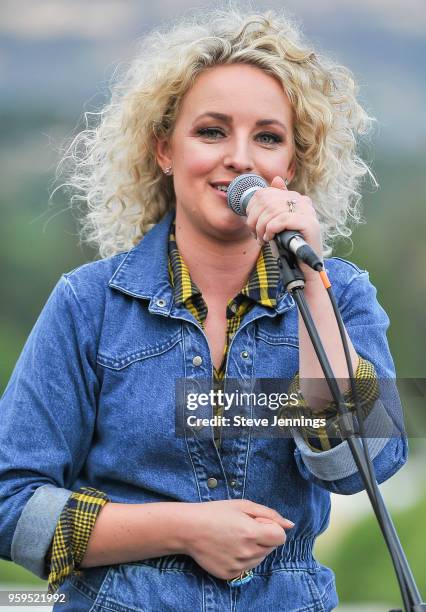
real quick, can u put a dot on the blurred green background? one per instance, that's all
(56, 60)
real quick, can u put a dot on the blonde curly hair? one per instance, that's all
(112, 169)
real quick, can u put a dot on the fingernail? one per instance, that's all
(290, 523)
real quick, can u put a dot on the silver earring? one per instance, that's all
(168, 170)
(286, 181)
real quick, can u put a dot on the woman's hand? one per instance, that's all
(268, 213)
(230, 536)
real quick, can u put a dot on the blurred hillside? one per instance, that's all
(39, 238)
(57, 59)
(39, 241)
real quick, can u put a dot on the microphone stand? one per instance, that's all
(294, 282)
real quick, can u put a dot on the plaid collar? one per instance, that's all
(261, 286)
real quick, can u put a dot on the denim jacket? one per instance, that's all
(91, 402)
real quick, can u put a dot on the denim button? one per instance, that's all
(244, 354)
(233, 483)
(211, 483)
(197, 361)
(161, 302)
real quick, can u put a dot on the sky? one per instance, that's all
(45, 19)
(64, 52)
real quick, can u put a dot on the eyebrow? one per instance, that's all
(228, 119)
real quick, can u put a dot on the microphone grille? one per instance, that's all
(239, 186)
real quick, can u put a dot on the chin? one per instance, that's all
(228, 226)
(217, 221)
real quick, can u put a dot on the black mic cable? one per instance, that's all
(239, 193)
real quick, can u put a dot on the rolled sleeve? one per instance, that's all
(328, 435)
(366, 323)
(338, 462)
(47, 417)
(36, 527)
(73, 532)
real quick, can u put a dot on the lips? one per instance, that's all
(224, 183)
(220, 193)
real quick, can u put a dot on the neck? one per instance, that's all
(219, 268)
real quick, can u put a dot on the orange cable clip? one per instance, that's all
(324, 279)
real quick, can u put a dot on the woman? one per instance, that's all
(101, 497)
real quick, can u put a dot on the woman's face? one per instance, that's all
(235, 119)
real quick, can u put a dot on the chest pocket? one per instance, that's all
(125, 359)
(136, 404)
(277, 356)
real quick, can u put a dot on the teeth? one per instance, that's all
(222, 188)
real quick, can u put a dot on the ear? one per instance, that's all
(163, 153)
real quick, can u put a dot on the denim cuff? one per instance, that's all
(36, 527)
(338, 462)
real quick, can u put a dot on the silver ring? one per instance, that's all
(291, 205)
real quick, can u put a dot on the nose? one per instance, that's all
(238, 157)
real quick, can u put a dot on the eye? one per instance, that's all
(268, 138)
(210, 132)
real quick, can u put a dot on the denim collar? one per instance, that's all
(143, 273)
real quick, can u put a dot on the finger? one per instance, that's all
(270, 534)
(257, 510)
(269, 200)
(257, 200)
(254, 203)
(256, 550)
(264, 218)
(307, 226)
(264, 206)
(307, 202)
(279, 183)
(254, 561)
(274, 516)
(260, 519)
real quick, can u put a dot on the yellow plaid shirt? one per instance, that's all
(82, 508)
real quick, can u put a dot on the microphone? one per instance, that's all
(240, 192)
